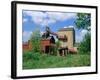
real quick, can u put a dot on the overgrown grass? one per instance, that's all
(36, 60)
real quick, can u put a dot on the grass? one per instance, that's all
(36, 60)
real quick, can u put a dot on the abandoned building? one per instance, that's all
(66, 37)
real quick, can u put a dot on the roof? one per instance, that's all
(66, 29)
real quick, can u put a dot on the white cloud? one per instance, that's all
(61, 16)
(78, 38)
(26, 35)
(65, 27)
(70, 26)
(25, 20)
(81, 35)
(83, 32)
(45, 18)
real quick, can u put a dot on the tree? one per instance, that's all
(85, 45)
(83, 21)
(35, 40)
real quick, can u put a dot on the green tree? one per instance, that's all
(35, 40)
(83, 21)
(85, 45)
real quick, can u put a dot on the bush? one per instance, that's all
(31, 56)
(85, 45)
(35, 40)
(36, 45)
(27, 55)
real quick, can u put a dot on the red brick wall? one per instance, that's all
(44, 43)
(27, 46)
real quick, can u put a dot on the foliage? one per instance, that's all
(55, 50)
(36, 60)
(85, 45)
(58, 44)
(31, 56)
(83, 21)
(35, 40)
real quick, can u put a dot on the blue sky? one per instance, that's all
(55, 20)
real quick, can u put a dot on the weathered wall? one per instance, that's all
(70, 37)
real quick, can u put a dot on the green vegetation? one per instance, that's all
(35, 40)
(83, 21)
(85, 45)
(36, 60)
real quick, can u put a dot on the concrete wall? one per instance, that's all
(70, 37)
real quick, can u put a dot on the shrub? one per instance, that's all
(27, 55)
(85, 45)
(31, 56)
(35, 40)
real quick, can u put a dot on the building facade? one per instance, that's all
(70, 34)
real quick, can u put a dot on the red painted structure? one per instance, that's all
(27, 46)
(46, 44)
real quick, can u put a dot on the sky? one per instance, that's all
(31, 20)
